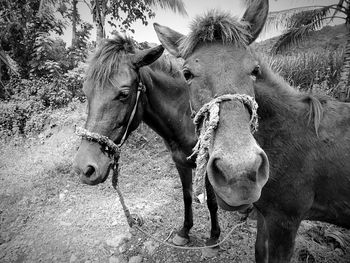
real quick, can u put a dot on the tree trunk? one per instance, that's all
(100, 33)
(100, 10)
(74, 22)
(343, 89)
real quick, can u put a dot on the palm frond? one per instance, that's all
(46, 4)
(278, 20)
(174, 5)
(300, 25)
(4, 58)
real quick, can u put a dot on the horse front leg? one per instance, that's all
(261, 243)
(182, 237)
(281, 238)
(213, 211)
(215, 228)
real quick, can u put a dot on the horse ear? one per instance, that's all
(169, 38)
(147, 56)
(256, 15)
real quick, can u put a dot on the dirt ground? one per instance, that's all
(47, 215)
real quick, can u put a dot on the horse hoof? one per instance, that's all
(210, 252)
(180, 241)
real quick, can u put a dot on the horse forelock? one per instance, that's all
(214, 26)
(106, 59)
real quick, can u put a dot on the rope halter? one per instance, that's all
(206, 121)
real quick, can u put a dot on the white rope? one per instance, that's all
(206, 122)
(104, 141)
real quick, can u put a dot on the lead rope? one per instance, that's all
(135, 221)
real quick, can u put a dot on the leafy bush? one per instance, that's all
(42, 62)
(74, 81)
(32, 101)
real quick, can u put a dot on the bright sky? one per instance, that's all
(193, 8)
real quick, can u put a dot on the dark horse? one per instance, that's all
(305, 137)
(112, 80)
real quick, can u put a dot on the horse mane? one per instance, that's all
(215, 25)
(105, 60)
(282, 97)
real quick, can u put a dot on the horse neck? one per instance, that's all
(274, 95)
(166, 106)
(283, 109)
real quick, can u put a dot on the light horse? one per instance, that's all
(122, 91)
(296, 166)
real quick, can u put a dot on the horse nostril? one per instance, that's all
(90, 170)
(217, 171)
(252, 176)
(263, 170)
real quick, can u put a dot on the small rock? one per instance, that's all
(133, 232)
(73, 258)
(150, 247)
(118, 240)
(122, 248)
(135, 259)
(201, 198)
(61, 196)
(117, 259)
(2, 241)
(115, 223)
(209, 252)
(68, 211)
(62, 223)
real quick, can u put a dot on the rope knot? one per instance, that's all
(206, 122)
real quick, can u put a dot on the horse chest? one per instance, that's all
(178, 154)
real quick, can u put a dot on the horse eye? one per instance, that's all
(256, 71)
(187, 74)
(123, 95)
